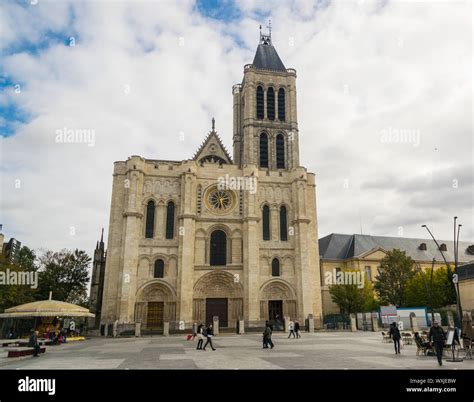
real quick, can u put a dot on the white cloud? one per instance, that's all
(363, 67)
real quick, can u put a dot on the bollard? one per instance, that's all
(353, 323)
(375, 323)
(138, 329)
(310, 323)
(241, 327)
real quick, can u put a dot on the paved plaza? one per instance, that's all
(322, 350)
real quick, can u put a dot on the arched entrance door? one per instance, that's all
(277, 301)
(218, 294)
(156, 303)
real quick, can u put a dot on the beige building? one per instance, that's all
(344, 252)
(466, 285)
(220, 236)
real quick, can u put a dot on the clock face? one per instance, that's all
(219, 201)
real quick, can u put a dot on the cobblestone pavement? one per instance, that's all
(322, 350)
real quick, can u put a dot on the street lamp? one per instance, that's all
(429, 290)
(454, 276)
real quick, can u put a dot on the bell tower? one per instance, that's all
(265, 119)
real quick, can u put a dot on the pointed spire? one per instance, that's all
(102, 236)
(266, 57)
(213, 124)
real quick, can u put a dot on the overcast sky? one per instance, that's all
(148, 76)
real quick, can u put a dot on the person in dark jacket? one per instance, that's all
(267, 336)
(209, 335)
(297, 329)
(437, 337)
(395, 335)
(33, 343)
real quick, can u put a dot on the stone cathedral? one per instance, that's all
(234, 237)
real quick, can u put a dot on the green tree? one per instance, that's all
(66, 274)
(353, 299)
(396, 270)
(421, 291)
(13, 295)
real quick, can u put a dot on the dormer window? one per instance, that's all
(422, 246)
(443, 247)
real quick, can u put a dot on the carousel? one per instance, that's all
(53, 319)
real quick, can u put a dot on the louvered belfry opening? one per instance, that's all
(281, 104)
(271, 104)
(260, 103)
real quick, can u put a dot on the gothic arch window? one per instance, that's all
(275, 267)
(271, 104)
(218, 248)
(260, 103)
(266, 222)
(170, 208)
(283, 224)
(159, 269)
(264, 150)
(281, 104)
(280, 151)
(150, 220)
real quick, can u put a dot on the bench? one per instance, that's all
(18, 352)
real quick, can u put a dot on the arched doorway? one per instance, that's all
(218, 294)
(277, 301)
(156, 303)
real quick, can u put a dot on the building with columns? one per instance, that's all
(215, 235)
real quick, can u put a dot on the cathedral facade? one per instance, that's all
(215, 235)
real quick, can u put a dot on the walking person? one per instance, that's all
(437, 337)
(297, 329)
(209, 335)
(267, 336)
(200, 334)
(291, 329)
(33, 343)
(395, 335)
